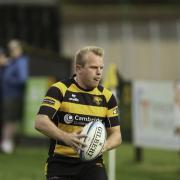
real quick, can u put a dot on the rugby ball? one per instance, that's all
(95, 139)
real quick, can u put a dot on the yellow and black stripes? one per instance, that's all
(71, 108)
(65, 150)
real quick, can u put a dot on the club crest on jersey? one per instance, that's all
(97, 100)
(115, 111)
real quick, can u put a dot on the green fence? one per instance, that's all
(36, 89)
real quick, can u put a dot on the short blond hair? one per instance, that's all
(79, 56)
(14, 43)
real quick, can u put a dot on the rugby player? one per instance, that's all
(67, 107)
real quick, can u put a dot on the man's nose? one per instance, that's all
(99, 71)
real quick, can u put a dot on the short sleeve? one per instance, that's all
(51, 102)
(112, 113)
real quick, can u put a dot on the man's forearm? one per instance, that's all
(113, 141)
(48, 128)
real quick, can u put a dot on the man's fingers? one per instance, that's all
(78, 147)
(79, 142)
(76, 141)
(81, 136)
(78, 132)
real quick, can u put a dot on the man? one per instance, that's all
(67, 107)
(14, 80)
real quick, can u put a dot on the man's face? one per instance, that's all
(90, 74)
(15, 52)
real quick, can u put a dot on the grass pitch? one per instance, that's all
(28, 164)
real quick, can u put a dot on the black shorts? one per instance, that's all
(12, 109)
(62, 168)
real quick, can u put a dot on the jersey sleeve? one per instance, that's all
(112, 113)
(51, 102)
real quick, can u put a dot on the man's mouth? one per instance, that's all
(97, 79)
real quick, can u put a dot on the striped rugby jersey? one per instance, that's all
(70, 107)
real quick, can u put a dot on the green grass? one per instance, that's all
(28, 164)
(156, 165)
(24, 164)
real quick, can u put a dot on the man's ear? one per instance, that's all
(78, 67)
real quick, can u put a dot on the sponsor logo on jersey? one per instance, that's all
(73, 98)
(79, 120)
(97, 100)
(86, 118)
(68, 118)
(49, 101)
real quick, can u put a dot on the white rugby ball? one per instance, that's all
(95, 140)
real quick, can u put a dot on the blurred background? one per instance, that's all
(141, 39)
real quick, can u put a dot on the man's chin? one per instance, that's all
(95, 85)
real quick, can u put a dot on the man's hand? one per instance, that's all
(73, 140)
(47, 127)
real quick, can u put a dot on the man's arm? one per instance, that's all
(113, 138)
(44, 125)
